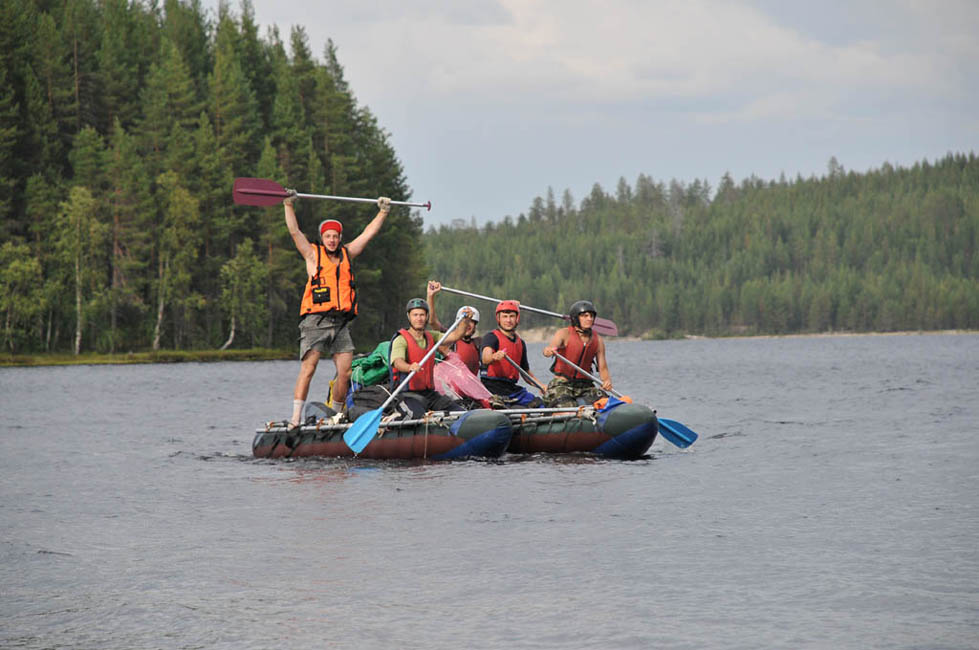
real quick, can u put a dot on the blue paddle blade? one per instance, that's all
(363, 430)
(677, 433)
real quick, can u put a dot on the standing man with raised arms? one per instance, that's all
(329, 301)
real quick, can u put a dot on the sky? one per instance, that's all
(488, 103)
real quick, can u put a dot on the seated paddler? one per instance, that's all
(584, 348)
(409, 347)
(503, 350)
(468, 346)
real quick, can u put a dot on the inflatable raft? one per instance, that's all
(480, 433)
(625, 431)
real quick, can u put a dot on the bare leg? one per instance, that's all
(307, 369)
(343, 362)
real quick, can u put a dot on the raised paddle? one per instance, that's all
(263, 192)
(526, 375)
(601, 325)
(364, 428)
(672, 430)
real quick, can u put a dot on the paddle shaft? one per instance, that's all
(261, 191)
(428, 355)
(352, 199)
(603, 325)
(526, 375)
(587, 374)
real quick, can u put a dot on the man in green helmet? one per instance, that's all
(410, 346)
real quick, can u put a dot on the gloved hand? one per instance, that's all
(384, 204)
(291, 198)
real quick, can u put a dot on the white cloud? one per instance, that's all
(521, 94)
(550, 53)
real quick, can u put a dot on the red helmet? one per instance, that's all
(508, 305)
(330, 224)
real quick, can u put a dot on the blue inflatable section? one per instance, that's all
(631, 443)
(628, 444)
(489, 443)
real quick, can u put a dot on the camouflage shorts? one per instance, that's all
(572, 392)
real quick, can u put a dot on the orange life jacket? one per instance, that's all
(333, 288)
(503, 369)
(424, 379)
(469, 353)
(581, 355)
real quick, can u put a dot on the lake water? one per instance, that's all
(832, 501)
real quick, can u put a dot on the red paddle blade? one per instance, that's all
(605, 326)
(602, 326)
(257, 191)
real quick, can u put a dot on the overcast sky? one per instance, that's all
(490, 102)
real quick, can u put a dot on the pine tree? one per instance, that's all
(131, 209)
(178, 241)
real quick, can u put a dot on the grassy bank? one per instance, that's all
(159, 356)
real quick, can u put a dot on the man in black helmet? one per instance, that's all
(586, 349)
(409, 347)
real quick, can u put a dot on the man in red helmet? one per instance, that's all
(329, 301)
(586, 349)
(499, 376)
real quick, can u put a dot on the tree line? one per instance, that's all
(122, 126)
(891, 249)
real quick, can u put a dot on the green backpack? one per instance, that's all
(372, 369)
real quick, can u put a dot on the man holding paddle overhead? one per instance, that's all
(468, 346)
(408, 354)
(329, 301)
(584, 348)
(503, 352)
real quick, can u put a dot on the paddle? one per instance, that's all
(364, 428)
(672, 430)
(601, 325)
(263, 192)
(526, 375)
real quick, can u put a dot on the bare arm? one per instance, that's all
(559, 340)
(302, 244)
(603, 366)
(454, 335)
(433, 320)
(356, 247)
(489, 355)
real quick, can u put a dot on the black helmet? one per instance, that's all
(580, 308)
(416, 303)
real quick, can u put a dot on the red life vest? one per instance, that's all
(581, 355)
(333, 288)
(469, 353)
(424, 379)
(503, 369)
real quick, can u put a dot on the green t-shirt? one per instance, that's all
(399, 347)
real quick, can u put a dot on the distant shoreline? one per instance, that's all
(543, 335)
(530, 335)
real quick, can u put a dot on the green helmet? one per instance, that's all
(416, 303)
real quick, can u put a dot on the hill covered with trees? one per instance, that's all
(122, 126)
(891, 249)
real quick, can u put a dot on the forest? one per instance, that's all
(887, 250)
(122, 127)
(124, 123)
